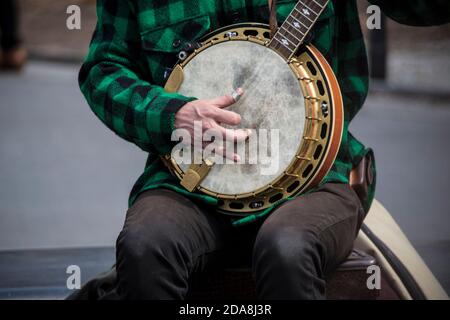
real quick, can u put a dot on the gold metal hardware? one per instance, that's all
(195, 174)
(292, 175)
(303, 158)
(313, 118)
(310, 139)
(175, 79)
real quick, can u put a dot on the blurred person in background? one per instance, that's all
(13, 56)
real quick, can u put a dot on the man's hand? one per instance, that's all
(211, 113)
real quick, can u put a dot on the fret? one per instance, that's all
(296, 26)
(289, 38)
(283, 27)
(303, 15)
(321, 7)
(299, 21)
(295, 30)
(278, 43)
(301, 18)
(284, 41)
(286, 47)
(314, 7)
(310, 9)
(280, 48)
(285, 52)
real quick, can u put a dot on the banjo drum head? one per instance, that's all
(272, 100)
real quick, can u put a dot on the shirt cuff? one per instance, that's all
(161, 119)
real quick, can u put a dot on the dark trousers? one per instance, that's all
(9, 37)
(167, 238)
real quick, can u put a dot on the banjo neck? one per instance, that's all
(296, 27)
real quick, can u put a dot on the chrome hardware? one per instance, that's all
(231, 34)
(324, 107)
(182, 55)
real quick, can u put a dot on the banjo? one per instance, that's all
(289, 87)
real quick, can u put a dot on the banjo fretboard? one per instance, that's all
(294, 29)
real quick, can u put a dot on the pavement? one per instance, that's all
(43, 274)
(54, 153)
(65, 178)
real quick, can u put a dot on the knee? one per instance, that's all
(151, 254)
(132, 243)
(150, 244)
(153, 227)
(286, 247)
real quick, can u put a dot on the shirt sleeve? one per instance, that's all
(416, 12)
(116, 87)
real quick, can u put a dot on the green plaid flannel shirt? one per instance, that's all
(135, 41)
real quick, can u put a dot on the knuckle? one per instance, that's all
(236, 118)
(201, 111)
(226, 100)
(207, 125)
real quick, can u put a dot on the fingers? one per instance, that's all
(234, 135)
(228, 99)
(209, 114)
(225, 116)
(221, 151)
(213, 129)
(223, 101)
(222, 138)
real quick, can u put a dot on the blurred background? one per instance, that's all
(65, 178)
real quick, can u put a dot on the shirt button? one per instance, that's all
(176, 43)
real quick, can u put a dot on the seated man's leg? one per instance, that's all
(303, 240)
(164, 239)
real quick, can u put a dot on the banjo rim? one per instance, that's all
(298, 65)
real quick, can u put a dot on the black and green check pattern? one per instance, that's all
(136, 40)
